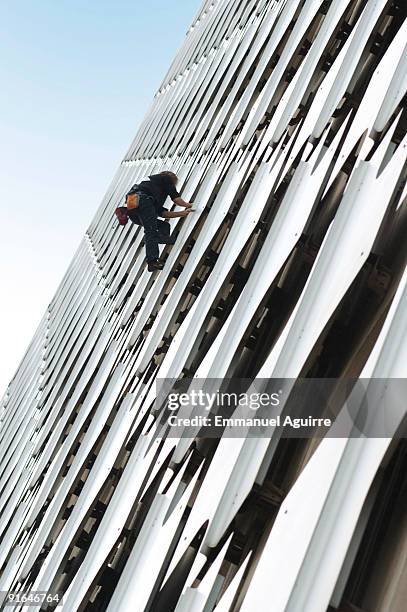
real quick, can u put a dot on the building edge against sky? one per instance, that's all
(286, 123)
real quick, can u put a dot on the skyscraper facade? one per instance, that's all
(286, 123)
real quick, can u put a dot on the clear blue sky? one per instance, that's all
(77, 78)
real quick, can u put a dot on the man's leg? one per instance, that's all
(164, 230)
(147, 214)
(133, 216)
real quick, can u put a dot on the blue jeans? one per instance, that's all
(154, 228)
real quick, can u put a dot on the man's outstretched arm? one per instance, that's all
(168, 214)
(180, 202)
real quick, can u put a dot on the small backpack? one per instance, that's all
(132, 201)
(122, 215)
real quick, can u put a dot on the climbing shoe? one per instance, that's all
(154, 265)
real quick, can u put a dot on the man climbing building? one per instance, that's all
(145, 202)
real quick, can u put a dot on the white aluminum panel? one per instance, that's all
(199, 599)
(227, 598)
(150, 549)
(97, 475)
(102, 413)
(363, 28)
(268, 92)
(397, 89)
(328, 26)
(339, 474)
(112, 523)
(284, 19)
